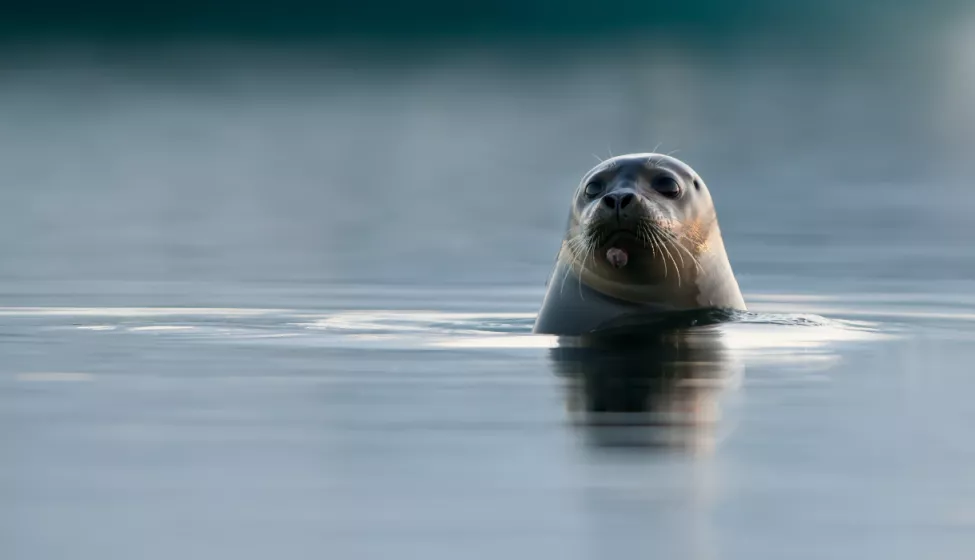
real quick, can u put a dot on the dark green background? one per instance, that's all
(825, 19)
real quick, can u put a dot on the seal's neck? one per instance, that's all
(572, 307)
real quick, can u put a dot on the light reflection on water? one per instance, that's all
(345, 421)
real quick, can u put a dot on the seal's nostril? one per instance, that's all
(618, 201)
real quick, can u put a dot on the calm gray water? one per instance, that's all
(270, 303)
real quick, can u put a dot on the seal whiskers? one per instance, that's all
(677, 238)
(634, 218)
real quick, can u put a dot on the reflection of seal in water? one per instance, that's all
(647, 387)
(642, 240)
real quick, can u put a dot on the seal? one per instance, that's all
(642, 244)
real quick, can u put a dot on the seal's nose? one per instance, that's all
(618, 200)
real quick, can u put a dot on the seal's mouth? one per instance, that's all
(617, 257)
(609, 238)
(619, 246)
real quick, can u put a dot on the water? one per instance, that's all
(263, 302)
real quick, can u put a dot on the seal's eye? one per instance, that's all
(666, 186)
(594, 188)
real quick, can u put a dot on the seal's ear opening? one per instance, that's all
(697, 184)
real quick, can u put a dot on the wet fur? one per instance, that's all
(680, 262)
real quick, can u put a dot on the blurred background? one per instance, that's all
(309, 143)
(239, 240)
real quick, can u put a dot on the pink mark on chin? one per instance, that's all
(617, 257)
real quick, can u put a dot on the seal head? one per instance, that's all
(642, 240)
